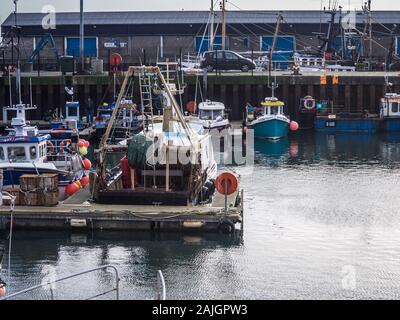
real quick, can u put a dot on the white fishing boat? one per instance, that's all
(212, 115)
(169, 163)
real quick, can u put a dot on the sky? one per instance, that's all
(6, 6)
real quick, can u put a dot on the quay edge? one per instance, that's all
(356, 92)
(123, 218)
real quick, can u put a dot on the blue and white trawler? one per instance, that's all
(25, 151)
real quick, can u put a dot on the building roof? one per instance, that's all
(189, 17)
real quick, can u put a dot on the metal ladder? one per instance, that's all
(146, 100)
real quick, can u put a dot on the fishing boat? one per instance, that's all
(168, 163)
(212, 115)
(268, 121)
(25, 151)
(390, 112)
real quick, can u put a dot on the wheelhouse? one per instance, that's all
(213, 111)
(23, 149)
(272, 107)
(390, 105)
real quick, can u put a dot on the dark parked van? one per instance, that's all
(225, 60)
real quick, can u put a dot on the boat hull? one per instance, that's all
(271, 129)
(391, 124)
(347, 125)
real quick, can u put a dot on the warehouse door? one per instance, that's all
(203, 43)
(284, 49)
(90, 47)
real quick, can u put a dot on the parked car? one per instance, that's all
(226, 60)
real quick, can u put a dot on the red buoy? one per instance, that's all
(294, 126)
(227, 183)
(72, 188)
(191, 106)
(81, 144)
(87, 143)
(84, 181)
(87, 164)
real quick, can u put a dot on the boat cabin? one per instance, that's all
(72, 111)
(272, 107)
(390, 105)
(211, 110)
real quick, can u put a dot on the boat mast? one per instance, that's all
(223, 8)
(367, 10)
(81, 36)
(211, 39)
(18, 74)
(273, 85)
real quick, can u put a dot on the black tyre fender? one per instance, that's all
(226, 226)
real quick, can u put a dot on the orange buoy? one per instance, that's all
(50, 147)
(2, 289)
(84, 181)
(87, 164)
(191, 106)
(87, 143)
(294, 126)
(72, 188)
(227, 183)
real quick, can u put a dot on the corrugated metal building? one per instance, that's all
(164, 34)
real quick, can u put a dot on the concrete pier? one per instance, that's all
(79, 214)
(356, 91)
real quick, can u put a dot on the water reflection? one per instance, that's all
(137, 255)
(343, 150)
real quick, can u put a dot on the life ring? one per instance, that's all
(63, 144)
(226, 183)
(307, 105)
(50, 147)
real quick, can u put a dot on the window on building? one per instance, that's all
(1, 153)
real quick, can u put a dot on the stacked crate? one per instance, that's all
(38, 190)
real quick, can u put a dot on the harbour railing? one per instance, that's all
(161, 287)
(50, 284)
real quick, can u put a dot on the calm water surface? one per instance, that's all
(322, 221)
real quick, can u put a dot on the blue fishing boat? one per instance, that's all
(269, 120)
(348, 122)
(390, 113)
(25, 151)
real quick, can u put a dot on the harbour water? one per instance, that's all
(322, 221)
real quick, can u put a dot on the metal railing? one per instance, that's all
(50, 283)
(161, 288)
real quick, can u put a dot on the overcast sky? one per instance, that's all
(6, 6)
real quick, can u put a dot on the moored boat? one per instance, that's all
(212, 115)
(390, 112)
(268, 121)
